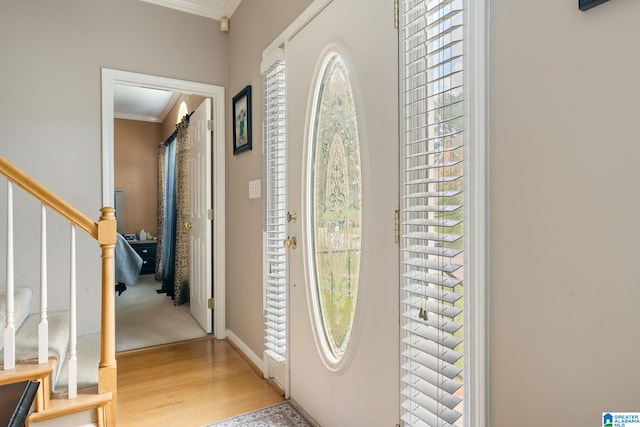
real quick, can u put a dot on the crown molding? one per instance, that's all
(136, 117)
(207, 8)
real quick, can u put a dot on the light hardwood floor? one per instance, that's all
(194, 383)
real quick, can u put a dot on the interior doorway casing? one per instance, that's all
(110, 78)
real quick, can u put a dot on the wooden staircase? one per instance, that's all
(44, 360)
(32, 370)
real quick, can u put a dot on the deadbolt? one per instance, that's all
(290, 242)
(292, 217)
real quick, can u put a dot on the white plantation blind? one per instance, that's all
(275, 226)
(432, 213)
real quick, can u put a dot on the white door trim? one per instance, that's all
(300, 22)
(112, 77)
(476, 399)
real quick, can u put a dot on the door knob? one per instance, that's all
(187, 225)
(290, 242)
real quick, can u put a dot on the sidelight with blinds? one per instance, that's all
(275, 225)
(432, 214)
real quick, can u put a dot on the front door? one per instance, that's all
(200, 280)
(342, 128)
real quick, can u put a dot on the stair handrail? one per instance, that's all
(105, 233)
(40, 192)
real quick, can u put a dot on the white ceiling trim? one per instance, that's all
(136, 117)
(207, 8)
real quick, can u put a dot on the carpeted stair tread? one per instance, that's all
(21, 303)
(88, 352)
(27, 339)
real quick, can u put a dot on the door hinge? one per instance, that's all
(396, 14)
(210, 123)
(210, 214)
(397, 225)
(210, 303)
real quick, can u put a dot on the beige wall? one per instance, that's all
(169, 123)
(565, 322)
(254, 25)
(50, 107)
(136, 173)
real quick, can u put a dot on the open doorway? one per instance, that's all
(111, 81)
(153, 307)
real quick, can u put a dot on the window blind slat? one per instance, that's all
(432, 250)
(428, 410)
(429, 292)
(432, 307)
(431, 194)
(431, 331)
(410, 263)
(432, 222)
(434, 208)
(429, 347)
(419, 235)
(436, 180)
(409, 419)
(431, 278)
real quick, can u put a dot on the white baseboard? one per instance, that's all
(254, 358)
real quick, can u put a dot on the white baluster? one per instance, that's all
(10, 328)
(43, 327)
(73, 354)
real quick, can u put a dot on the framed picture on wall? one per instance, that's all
(242, 121)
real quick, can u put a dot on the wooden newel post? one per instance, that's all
(107, 374)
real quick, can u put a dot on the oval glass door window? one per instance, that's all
(335, 215)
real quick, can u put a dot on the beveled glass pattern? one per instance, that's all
(336, 204)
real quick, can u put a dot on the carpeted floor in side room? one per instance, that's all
(146, 318)
(281, 415)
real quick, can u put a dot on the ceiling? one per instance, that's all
(152, 105)
(143, 104)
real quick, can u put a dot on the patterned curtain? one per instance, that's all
(161, 157)
(183, 234)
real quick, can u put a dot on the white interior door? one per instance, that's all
(201, 238)
(361, 387)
